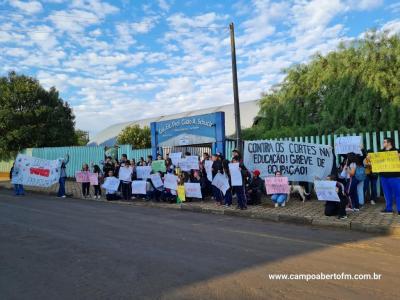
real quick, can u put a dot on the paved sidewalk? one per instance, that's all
(311, 212)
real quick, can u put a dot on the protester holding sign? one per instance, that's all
(390, 181)
(216, 168)
(111, 185)
(125, 176)
(279, 199)
(63, 176)
(86, 182)
(371, 180)
(227, 173)
(333, 207)
(98, 174)
(18, 188)
(349, 170)
(240, 190)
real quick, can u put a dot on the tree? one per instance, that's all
(82, 137)
(353, 89)
(31, 116)
(140, 138)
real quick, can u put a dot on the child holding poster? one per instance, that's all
(97, 189)
(86, 185)
(125, 176)
(279, 199)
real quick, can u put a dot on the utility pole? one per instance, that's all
(235, 90)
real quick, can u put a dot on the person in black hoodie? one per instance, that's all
(255, 189)
(228, 193)
(108, 166)
(334, 208)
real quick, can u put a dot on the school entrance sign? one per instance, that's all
(194, 130)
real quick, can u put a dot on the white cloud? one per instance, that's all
(392, 27)
(29, 7)
(163, 4)
(364, 4)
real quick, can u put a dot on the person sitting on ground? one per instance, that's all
(255, 189)
(111, 194)
(334, 208)
(279, 199)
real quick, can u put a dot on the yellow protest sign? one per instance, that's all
(181, 193)
(387, 161)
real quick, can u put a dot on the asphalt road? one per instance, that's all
(54, 248)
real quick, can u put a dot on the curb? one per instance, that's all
(279, 217)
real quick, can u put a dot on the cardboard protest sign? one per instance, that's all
(158, 166)
(184, 165)
(111, 184)
(326, 190)
(125, 174)
(175, 157)
(35, 171)
(296, 160)
(277, 185)
(221, 182)
(181, 193)
(156, 180)
(386, 161)
(193, 190)
(348, 144)
(94, 178)
(82, 176)
(236, 175)
(143, 172)
(208, 166)
(171, 181)
(139, 187)
(192, 162)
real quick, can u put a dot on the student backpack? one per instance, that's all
(360, 173)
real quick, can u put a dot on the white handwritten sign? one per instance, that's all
(296, 160)
(171, 181)
(193, 190)
(125, 174)
(139, 187)
(221, 182)
(348, 144)
(143, 172)
(236, 175)
(326, 190)
(176, 157)
(111, 184)
(208, 166)
(156, 180)
(192, 162)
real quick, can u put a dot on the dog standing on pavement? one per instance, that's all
(298, 189)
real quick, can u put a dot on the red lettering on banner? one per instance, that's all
(40, 172)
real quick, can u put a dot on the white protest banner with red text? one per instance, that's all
(35, 171)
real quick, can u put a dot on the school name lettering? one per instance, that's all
(185, 122)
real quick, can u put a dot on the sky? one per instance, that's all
(118, 61)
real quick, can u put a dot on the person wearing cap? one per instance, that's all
(236, 154)
(255, 189)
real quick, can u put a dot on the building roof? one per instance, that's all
(248, 111)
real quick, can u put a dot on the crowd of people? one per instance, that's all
(355, 182)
